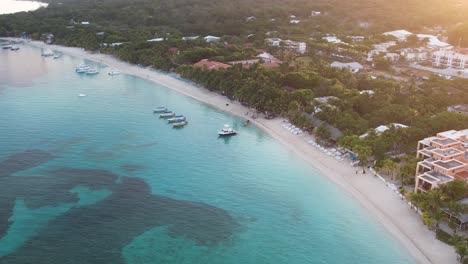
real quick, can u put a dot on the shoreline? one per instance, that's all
(380, 202)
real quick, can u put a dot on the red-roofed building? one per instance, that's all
(211, 65)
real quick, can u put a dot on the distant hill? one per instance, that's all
(227, 17)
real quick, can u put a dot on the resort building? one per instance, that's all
(445, 159)
(298, 47)
(211, 65)
(433, 41)
(275, 42)
(401, 34)
(450, 59)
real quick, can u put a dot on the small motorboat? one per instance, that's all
(7, 46)
(167, 114)
(82, 68)
(180, 124)
(177, 118)
(246, 123)
(160, 109)
(57, 56)
(14, 48)
(81, 95)
(92, 71)
(227, 131)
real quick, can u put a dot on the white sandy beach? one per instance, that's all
(392, 212)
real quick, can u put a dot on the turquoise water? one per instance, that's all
(100, 179)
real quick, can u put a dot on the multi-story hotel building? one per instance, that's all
(445, 159)
(450, 59)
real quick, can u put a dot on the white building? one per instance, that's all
(380, 129)
(275, 42)
(299, 47)
(267, 57)
(401, 34)
(190, 38)
(85, 23)
(332, 39)
(354, 67)
(380, 48)
(294, 21)
(433, 41)
(315, 13)
(156, 40)
(450, 59)
(212, 39)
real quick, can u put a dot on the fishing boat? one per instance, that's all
(226, 131)
(92, 71)
(177, 118)
(14, 48)
(160, 109)
(113, 72)
(167, 114)
(180, 124)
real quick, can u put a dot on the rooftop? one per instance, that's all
(399, 34)
(454, 134)
(447, 152)
(449, 164)
(436, 177)
(444, 141)
(462, 175)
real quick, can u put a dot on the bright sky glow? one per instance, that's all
(13, 6)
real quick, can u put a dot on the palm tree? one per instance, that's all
(364, 153)
(390, 166)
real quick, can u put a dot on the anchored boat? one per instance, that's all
(177, 118)
(160, 109)
(226, 131)
(82, 68)
(180, 124)
(167, 114)
(92, 71)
